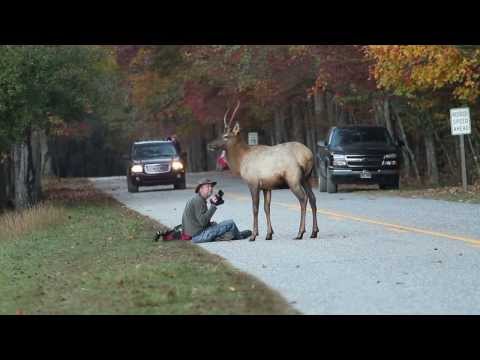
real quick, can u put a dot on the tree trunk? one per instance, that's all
(388, 118)
(197, 156)
(310, 129)
(20, 175)
(330, 109)
(431, 156)
(407, 151)
(474, 155)
(321, 122)
(377, 113)
(297, 123)
(6, 186)
(280, 135)
(27, 164)
(36, 166)
(446, 152)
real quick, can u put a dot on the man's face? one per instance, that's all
(206, 191)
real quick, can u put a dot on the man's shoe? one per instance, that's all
(245, 234)
(228, 236)
(159, 234)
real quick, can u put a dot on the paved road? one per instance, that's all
(374, 255)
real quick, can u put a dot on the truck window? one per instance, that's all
(153, 151)
(356, 136)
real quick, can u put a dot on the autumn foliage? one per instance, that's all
(407, 70)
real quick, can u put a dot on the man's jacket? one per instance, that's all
(196, 216)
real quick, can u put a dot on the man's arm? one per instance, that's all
(203, 216)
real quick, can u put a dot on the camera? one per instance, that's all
(218, 198)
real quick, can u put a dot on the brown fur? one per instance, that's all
(267, 168)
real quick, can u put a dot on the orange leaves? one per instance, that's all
(409, 69)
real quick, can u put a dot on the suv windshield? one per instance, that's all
(153, 151)
(358, 135)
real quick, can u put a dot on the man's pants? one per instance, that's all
(214, 231)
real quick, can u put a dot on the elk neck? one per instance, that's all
(236, 150)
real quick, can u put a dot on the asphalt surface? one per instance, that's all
(374, 255)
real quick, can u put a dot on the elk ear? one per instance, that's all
(236, 129)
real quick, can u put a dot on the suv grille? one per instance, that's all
(364, 161)
(157, 168)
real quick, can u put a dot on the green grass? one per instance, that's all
(447, 193)
(101, 260)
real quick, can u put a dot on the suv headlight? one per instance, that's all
(339, 160)
(390, 156)
(137, 169)
(177, 165)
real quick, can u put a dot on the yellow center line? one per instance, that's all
(335, 218)
(389, 226)
(396, 230)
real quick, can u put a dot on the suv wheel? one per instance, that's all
(181, 185)
(131, 187)
(332, 188)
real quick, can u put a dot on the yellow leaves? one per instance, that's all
(408, 69)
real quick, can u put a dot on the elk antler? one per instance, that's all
(225, 118)
(234, 113)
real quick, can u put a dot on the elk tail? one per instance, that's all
(309, 178)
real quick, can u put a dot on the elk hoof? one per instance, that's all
(314, 235)
(299, 236)
(251, 239)
(269, 237)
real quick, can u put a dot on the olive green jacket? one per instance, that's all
(196, 216)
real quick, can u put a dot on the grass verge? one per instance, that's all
(447, 193)
(98, 257)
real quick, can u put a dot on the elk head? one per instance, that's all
(228, 133)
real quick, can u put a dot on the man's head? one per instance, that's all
(205, 188)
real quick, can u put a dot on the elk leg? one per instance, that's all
(313, 205)
(267, 198)
(299, 192)
(255, 192)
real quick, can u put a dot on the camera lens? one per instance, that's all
(220, 193)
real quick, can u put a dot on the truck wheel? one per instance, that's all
(393, 184)
(396, 183)
(181, 185)
(131, 187)
(322, 183)
(332, 188)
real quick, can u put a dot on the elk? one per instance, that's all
(266, 168)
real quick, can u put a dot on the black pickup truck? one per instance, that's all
(358, 155)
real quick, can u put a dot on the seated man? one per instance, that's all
(196, 217)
